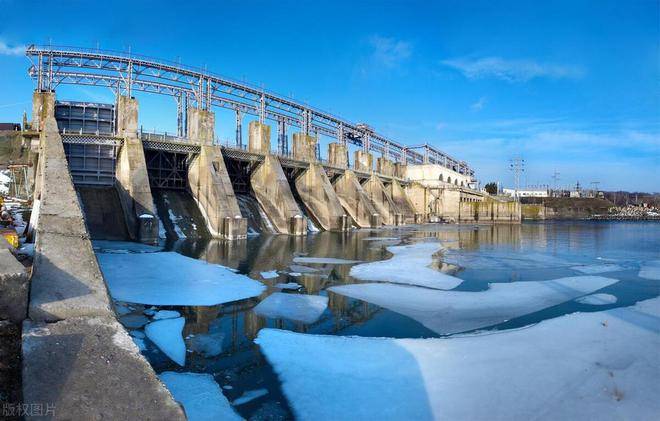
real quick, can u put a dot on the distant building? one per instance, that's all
(526, 193)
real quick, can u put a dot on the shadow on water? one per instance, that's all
(478, 254)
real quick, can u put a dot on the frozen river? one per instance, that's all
(539, 320)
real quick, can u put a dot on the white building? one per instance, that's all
(526, 193)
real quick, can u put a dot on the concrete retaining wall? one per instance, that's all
(14, 284)
(320, 198)
(355, 200)
(271, 188)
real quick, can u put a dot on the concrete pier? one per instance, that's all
(316, 192)
(271, 187)
(402, 202)
(14, 284)
(259, 137)
(132, 177)
(338, 155)
(384, 166)
(356, 201)
(304, 147)
(381, 200)
(363, 161)
(209, 181)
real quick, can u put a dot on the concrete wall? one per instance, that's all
(132, 179)
(489, 211)
(363, 161)
(338, 155)
(14, 284)
(304, 147)
(258, 137)
(271, 188)
(211, 188)
(402, 202)
(381, 200)
(356, 201)
(319, 197)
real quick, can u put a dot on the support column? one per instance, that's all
(385, 166)
(402, 202)
(363, 161)
(381, 199)
(132, 179)
(239, 129)
(338, 155)
(209, 181)
(320, 199)
(259, 138)
(304, 147)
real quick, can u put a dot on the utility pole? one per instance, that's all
(517, 165)
(555, 179)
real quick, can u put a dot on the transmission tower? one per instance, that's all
(555, 181)
(517, 165)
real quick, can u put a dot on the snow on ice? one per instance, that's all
(270, 274)
(296, 307)
(409, 265)
(597, 299)
(169, 278)
(446, 312)
(572, 367)
(167, 335)
(200, 396)
(650, 270)
(207, 344)
(249, 396)
(289, 285)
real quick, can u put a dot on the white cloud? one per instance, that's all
(6, 50)
(521, 70)
(477, 106)
(389, 52)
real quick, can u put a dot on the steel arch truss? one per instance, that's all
(124, 73)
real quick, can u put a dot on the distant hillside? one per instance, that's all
(563, 207)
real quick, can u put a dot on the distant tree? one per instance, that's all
(491, 188)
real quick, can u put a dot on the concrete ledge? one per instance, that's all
(14, 285)
(90, 369)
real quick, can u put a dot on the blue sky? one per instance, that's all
(571, 86)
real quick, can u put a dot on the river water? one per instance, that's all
(481, 256)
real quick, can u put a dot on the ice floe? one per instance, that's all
(324, 260)
(249, 396)
(446, 312)
(133, 321)
(139, 342)
(650, 270)
(409, 265)
(270, 274)
(166, 334)
(597, 299)
(166, 314)
(297, 307)
(302, 269)
(601, 365)
(598, 268)
(505, 259)
(168, 278)
(106, 246)
(200, 396)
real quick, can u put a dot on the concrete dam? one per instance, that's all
(95, 175)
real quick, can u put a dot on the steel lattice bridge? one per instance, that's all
(127, 72)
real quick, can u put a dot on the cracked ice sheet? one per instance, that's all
(166, 334)
(447, 312)
(409, 265)
(168, 278)
(502, 259)
(650, 270)
(324, 260)
(200, 396)
(578, 366)
(297, 307)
